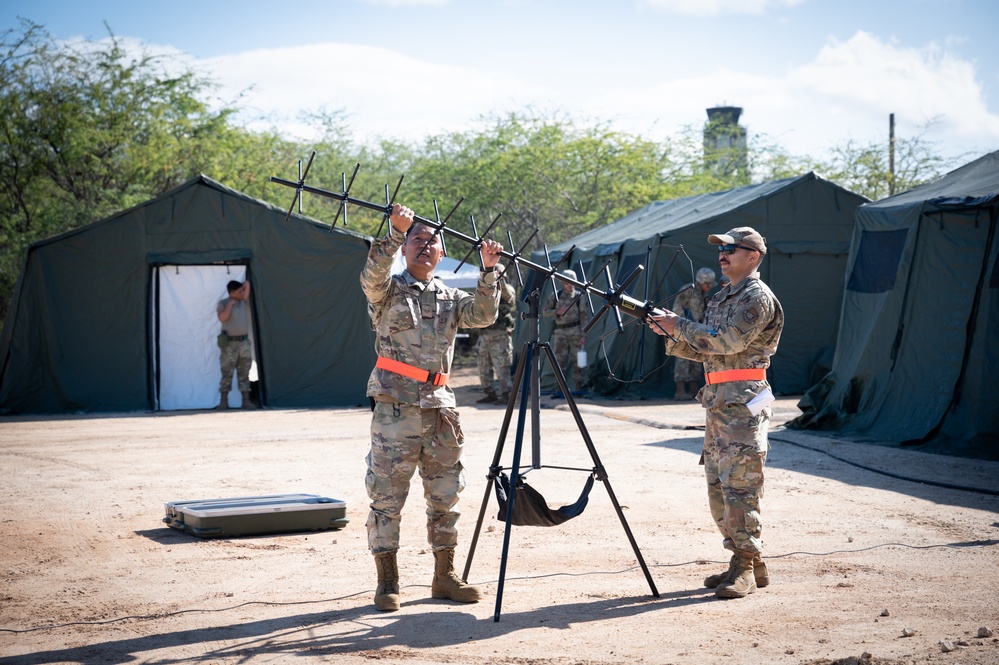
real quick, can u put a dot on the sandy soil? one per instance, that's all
(862, 549)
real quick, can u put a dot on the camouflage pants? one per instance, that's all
(565, 345)
(687, 370)
(236, 356)
(735, 451)
(494, 359)
(405, 437)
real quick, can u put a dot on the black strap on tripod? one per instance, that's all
(531, 509)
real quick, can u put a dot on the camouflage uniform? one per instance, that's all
(415, 423)
(741, 329)
(236, 355)
(568, 333)
(691, 304)
(496, 346)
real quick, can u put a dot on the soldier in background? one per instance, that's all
(495, 354)
(414, 422)
(740, 333)
(568, 337)
(691, 304)
(235, 350)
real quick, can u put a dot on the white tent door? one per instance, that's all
(188, 329)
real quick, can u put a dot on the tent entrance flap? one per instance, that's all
(185, 331)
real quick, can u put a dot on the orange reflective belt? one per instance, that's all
(410, 372)
(737, 375)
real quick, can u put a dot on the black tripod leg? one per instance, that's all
(514, 478)
(601, 473)
(494, 468)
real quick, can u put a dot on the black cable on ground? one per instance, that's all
(163, 615)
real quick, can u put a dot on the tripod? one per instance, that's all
(527, 381)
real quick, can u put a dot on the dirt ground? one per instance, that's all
(868, 563)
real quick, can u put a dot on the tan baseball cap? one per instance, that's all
(742, 235)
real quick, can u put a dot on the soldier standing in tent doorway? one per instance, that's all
(567, 336)
(496, 346)
(691, 304)
(235, 352)
(414, 423)
(739, 335)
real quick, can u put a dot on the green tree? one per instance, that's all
(91, 128)
(864, 168)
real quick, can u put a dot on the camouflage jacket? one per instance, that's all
(741, 330)
(506, 320)
(415, 323)
(576, 317)
(692, 303)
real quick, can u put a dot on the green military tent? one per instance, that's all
(119, 315)
(807, 221)
(916, 360)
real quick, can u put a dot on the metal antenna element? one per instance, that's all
(300, 186)
(515, 256)
(552, 270)
(439, 226)
(388, 204)
(346, 191)
(477, 245)
(585, 291)
(614, 298)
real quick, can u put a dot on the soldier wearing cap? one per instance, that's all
(691, 304)
(414, 424)
(740, 333)
(567, 336)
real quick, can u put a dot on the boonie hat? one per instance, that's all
(742, 235)
(705, 276)
(571, 274)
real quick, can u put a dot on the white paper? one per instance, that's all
(757, 404)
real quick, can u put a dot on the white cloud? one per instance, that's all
(383, 92)
(866, 75)
(716, 7)
(846, 92)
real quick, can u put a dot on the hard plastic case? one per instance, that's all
(252, 515)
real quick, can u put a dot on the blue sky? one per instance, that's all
(809, 74)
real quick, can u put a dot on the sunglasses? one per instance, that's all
(730, 249)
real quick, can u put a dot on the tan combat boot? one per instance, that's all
(712, 581)
(247, 404)
(742, 581)
(387, 593)
(488, 398)
(448, 585)
(223, 401)
(759, 572)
